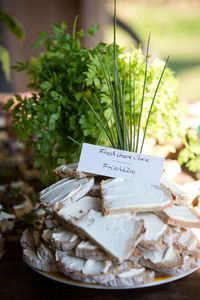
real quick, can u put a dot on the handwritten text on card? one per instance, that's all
(119, 163)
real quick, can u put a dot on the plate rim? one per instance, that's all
(157, 281)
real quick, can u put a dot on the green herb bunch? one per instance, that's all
(68, 77)
(53, 113)
(190, 154)
(167, 114)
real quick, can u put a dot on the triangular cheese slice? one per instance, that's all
(121, 196)
(117, 235)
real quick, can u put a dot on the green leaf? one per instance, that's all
(5, 62)
(97, 82)
(13, 24)
(43, 34)
(21, 66)
(93, 29)
(8, 105)
(194, 164)
(57, 28)
(46, 85)
(38, 43)
(64, 25)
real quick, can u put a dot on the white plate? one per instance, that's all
(157, 281)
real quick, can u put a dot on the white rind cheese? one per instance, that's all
(182, 213)
(155, 228)
(121, 195)
(65, 191)
(76, 210)
(183, 216)
(131, 273)
(115, 234)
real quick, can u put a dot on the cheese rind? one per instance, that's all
(87, 250)
(65, 192)
(70, 170)
(77, 209)
(167, 259)
(121, 196)
(60, 238)
(183, 216)
(155, 231)
(117, 235)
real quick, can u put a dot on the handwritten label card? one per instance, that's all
(119, 163)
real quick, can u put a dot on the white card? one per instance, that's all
(119, 163)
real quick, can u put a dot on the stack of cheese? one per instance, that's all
(113, 232)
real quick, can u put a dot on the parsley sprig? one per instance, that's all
(66, 74)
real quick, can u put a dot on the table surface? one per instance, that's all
(18, 281)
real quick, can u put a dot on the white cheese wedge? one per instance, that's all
(87, 245)
(85, 266)
(96, 267)
(87, 250)
(167, 258)
(89, 271)
(131, 272)
(117, 235)
(121, 195)
(186, 240)
(192, 189)
(60, 238)
(133, 277)
(179, 194)
(66, 190)
(183, 216)
(155, 230)
(76, 210)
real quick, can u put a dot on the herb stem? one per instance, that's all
(134, 121)
(149, 114)
(143, 93)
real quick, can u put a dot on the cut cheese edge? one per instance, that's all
(166, 259)
(65, 192)
(70, 171)
(180, 196)
(186, 241)
(87, 250)
(121, 196)
(71, 214)
(117, 235)
(182, 216)
(155, 230)
(89, 271)
(60, 238)
(133, 277)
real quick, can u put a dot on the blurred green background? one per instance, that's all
(174, 27)
(175, 31)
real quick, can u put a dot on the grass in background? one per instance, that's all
(175, 31)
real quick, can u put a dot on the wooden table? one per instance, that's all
(18, 282)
